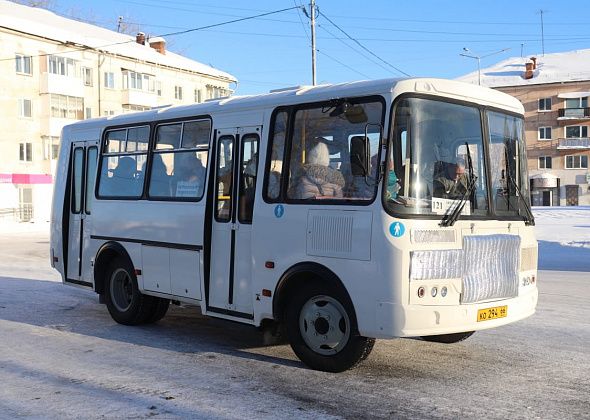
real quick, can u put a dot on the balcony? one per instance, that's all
(573, 113)
(139, 97)
(581, 143)
(62, 85)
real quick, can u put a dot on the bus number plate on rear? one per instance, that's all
(492, 313)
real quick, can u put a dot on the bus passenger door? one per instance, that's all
(82, 177)
(236, 167)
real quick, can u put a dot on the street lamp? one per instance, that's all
(478, 58)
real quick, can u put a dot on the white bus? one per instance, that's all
(343, 213)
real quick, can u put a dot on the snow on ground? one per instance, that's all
(564, 238)
(62, 356)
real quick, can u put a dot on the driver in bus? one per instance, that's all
(452, 183)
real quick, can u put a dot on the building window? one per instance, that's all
(87, 113)
(25, 108)
(545, 104)
(23, 64)
(576, 162)
(25, 152)
(576, 131)
(87, 76)
(135, 108)
(138, 81)
(50, 148)
(108, 113)
(178, 92)
(158, 87)
(198, 96)
(63, 106)
(544, 133)
(545, 162)
(61, 65)
(576, 103)
(109, 80)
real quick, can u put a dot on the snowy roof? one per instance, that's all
(571, 66)
(41, 22)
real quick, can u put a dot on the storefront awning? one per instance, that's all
(545, 180)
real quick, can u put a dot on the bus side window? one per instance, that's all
(123, 163)
(249, 169)
(275, 173)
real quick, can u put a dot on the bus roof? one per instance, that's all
(301, 94)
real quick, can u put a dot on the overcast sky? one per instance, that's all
(419, 38)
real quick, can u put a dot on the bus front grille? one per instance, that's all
(490, 267)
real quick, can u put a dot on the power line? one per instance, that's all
(343, 64)
(164, 35)
(341, 40)
(362, 46)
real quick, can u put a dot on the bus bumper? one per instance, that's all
(397, 320)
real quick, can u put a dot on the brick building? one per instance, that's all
(554, 89)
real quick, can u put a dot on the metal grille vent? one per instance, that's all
(491, 267)
(330, 233)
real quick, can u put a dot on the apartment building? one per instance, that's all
(54, 71)
(555, 90)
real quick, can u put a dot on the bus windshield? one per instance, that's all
(437, 161)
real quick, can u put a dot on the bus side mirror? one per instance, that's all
(359, 156)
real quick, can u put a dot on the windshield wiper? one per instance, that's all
(529, 218)
(450, 219)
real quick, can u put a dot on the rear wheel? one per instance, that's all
(126, 304)
(448, 338)
(322, 329)
(159, 310)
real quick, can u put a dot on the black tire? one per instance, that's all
(159, 310)
(448, 338)
(333, 315)
(126, 304)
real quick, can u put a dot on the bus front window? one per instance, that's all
(508, 165)
(437, 158)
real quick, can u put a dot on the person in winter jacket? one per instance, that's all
(316, 178)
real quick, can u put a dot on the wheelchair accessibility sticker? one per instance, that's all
(279, 211)
(397, 229)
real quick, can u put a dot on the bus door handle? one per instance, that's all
(235, 226)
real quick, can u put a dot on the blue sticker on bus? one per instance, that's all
(279, 211)
(397, 229)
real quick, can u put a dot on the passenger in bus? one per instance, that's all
(160, 180)
(123, 183)
(317, 179)
(452, 182)
(189, 176)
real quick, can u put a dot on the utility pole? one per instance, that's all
(542, 32)
(312, 6)
(478, 58)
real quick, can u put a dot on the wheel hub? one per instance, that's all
(324, 325)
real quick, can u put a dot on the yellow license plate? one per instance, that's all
(492, 313)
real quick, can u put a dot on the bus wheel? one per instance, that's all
(160, 308)
(448, 338)
(126, 304)
(322, 330)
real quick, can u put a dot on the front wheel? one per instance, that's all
(448, 338)
(322, 330)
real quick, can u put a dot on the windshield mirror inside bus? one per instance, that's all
(437, 159)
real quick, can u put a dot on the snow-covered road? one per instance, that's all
(62, 356)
